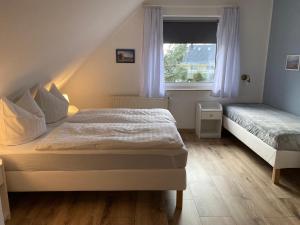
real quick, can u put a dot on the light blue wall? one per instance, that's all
(282, 88)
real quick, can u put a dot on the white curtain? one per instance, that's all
(153, 84)
(227, 77)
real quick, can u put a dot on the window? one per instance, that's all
(189, 54)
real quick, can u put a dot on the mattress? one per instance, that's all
(27, 158)
(280, 130)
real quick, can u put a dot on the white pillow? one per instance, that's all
(17, 125)
(27, 102)
(54, 107)
(56, 92)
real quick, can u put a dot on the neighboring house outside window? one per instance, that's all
(189, 54)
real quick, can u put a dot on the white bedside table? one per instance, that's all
(209, 120)
(5, 211)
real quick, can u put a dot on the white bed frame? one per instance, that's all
(99, 180)
(277, 159)
(96, 180)
(105, 180)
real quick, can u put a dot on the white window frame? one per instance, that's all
(199, 86)
(183, 86)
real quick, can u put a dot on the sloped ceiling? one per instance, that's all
(41, 39)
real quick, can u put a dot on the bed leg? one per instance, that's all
(179, 199)
(276, 176)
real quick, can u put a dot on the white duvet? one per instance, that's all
(122, 116)
(73, 136)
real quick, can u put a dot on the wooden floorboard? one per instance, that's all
(228, 184)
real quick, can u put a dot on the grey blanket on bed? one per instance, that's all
(278, 129)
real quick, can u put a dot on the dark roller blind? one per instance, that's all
(190, 31)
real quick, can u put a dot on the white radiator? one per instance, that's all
(124, 101)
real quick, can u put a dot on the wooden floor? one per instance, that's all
(227, 185)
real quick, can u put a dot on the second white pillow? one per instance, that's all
(54, 106)
(27, 102)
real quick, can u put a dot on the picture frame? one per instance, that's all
(125, 55)
(292, 63)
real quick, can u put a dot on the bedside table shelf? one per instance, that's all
(209, 120)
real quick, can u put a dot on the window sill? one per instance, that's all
(189, 87)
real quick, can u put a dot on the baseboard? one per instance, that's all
(190, 131)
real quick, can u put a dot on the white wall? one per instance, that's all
(40, 39)
(256, 17)
(101, 77)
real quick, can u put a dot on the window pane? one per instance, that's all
(189, 63)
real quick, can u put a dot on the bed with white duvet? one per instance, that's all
(97, 146)
(96, 150)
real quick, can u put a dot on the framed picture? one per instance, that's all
(125, 56)
(293, 62)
